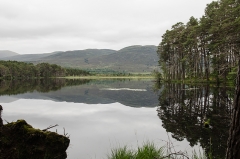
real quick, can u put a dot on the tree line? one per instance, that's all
(76, 72)
(22, 70)
(207, 48)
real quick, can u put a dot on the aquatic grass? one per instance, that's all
(121, 153)
(149, 151)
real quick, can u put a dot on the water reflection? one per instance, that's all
(103, 114)
(135, 93)
(13, 87)
(96, 117)
(185, 108)
(94, 129)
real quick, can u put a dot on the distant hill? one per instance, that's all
(79, 54)
(138, 59)
(7, 53)
(27, 57)
(129, 59)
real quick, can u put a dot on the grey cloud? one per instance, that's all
(50, 25)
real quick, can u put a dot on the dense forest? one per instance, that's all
(76, 72)
(22, 70)
(204, 49)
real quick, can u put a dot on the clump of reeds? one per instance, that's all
(122, 153)
(147, 151)
(151, 151)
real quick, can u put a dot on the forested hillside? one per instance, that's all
(130, 59)
(207, 48)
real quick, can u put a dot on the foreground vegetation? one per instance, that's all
(147, 151)
(151, 151)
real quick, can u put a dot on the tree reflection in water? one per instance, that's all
(184, 109)
(13, 87)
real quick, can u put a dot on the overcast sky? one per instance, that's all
(41, 26)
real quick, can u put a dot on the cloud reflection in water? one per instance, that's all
(94, 128)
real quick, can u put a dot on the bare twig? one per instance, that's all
(171, 145)
(50, 127)
(176, 153)
(6, 121)
(65, 134)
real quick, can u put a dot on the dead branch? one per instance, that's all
(176, 153)
(65, 134)
(6, 121)
(50, 127)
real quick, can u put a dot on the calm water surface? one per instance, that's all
(100, 115)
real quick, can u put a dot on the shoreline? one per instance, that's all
(108, 77)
